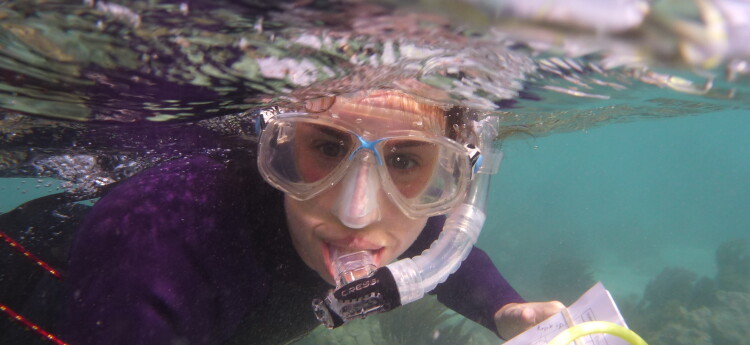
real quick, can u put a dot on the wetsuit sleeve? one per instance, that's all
(477, 289)
(157, 261)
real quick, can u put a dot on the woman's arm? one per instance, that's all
(479, 292)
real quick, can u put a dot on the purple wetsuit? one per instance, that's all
(196, 251)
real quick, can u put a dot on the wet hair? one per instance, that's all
(457, 121)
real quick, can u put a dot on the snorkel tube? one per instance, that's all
(421, 274)
(408, 280)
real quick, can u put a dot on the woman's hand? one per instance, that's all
(514, 318)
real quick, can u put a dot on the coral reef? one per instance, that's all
(733, 261)
(673, 285)
(725, 323)
(677, 309)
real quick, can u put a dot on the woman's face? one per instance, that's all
(317, 232)
(315, 226)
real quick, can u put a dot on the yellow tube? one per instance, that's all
(569, 335)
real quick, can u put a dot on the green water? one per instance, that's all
(629, 199)
(16, 191)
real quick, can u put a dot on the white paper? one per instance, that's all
(596, 304)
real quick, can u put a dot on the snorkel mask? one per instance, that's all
(304, 154)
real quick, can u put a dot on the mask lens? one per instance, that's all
(319, 150)
(427, 174)
(297, 155)
(410, 164)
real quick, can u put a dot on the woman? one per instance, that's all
(199, 251)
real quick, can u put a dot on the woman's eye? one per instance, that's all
(402, 161)
(331, 149)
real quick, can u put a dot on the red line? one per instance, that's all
(28, 324)
(17, 246)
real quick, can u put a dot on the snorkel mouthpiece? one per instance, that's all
(360, 290)
(352, 266)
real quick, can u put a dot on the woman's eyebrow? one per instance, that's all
(330, 131)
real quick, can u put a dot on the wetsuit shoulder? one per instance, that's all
(161, 260)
